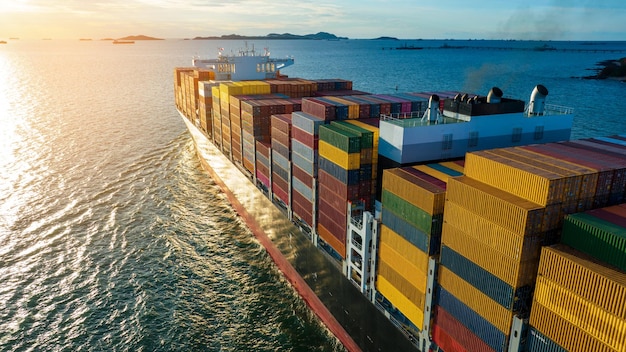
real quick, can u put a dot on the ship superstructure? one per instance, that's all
(432, 206)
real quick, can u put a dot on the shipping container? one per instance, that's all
(423, 195)
(444, 341)
(595, 321)
(597, 237)
(327, 236)
(565, 333)
(395, 288)
(306, 122)
(350, 177)
(347, 161)
(405, 249)
(491, 234)
(478, 325)
(458, 332)
(487, 283)
(403, 267)
(421, 240)
(420, 219)
(586, 277)
(500, 207)
(525, 181)
(346, 141)
(474, 299)
(515, 272)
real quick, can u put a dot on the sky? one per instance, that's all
(355, 19)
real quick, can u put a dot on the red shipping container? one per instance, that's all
(302, 176)
(311, 141)
(344, 191)
(444, 341)
(458, 332)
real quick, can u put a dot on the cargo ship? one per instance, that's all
(346, 190)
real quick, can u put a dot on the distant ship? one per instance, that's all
(123, 42)
(293, 142)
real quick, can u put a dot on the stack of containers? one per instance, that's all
(510, 202)
(411, 201)
(338, 177)
(226, 90)
(205, 105)
(180, 92)
(371, 124)
(579, 300)
(581, 284)
(366, 170)
(304, 155)
(281, 157)
(251, 90)
(255, 123)
(263, 165)
(217, 117)
(187, 85)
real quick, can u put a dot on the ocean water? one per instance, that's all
(112, 237)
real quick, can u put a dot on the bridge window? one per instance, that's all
(517, 135)
(538, 132)
(473, 139)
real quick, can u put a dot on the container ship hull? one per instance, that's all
(364, 324)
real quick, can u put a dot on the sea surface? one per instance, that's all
(112, 238)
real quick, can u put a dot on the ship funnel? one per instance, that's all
(432, 112)
(494, 95)
(537, 100)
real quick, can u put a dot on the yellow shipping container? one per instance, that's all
(566, 334)
(525, 181)
(594, 320)
(509, 211)
(403, 286)
(348, 161)
(419, 193)
(509, 243)
(404, 248)
(410, 310)
(589, 176)
(403, 267)
(571, 179)
(514, 272)
(586, 277)
(480, 303)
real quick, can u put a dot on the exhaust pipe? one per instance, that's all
(494, 95)
(538, 100)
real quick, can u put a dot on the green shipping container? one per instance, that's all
(599, 238)
(367, 137)
(347, 141)
(417, 217)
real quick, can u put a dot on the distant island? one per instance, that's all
(611, 69)
(134, 37)
(317, 36)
